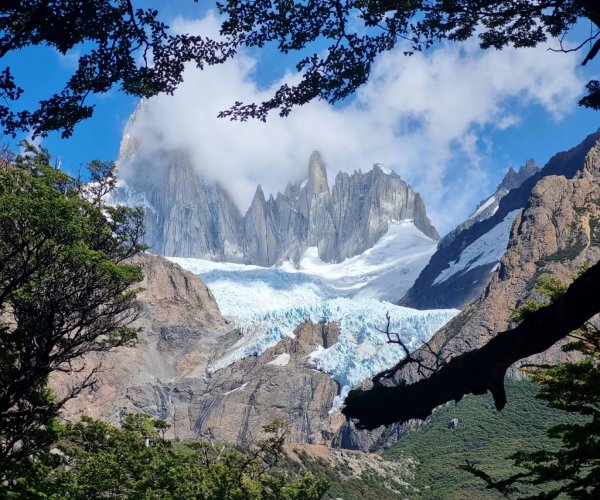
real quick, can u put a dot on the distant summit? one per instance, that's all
(187, 216)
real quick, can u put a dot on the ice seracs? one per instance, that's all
(268, 304)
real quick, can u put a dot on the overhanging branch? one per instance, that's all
(483, 369)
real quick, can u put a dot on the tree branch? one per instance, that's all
(483, 369)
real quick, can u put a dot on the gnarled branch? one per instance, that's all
(483, 369)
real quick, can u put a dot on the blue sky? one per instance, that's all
(450, 121)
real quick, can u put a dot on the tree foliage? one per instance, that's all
(574, 467)
(65, 290)
(357, 31)
(118, 44)
(134, 461)
(135, 49)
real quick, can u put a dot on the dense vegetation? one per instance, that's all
(484, 436)
(98, 460)
(66, 289)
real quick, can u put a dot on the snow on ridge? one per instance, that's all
(487, 249)
(483, 206)
(386, 271)
(268, 304)
(384, 168)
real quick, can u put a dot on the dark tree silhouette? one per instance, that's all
(359, 30)
(118, 43)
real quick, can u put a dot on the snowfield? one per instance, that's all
(267, 304)
(487, 249)
(384, 272)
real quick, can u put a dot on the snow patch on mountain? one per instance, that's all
(384, 168)
(492, 199)
(487, 249)
(268, 304)
(385, 271)
(282, 360)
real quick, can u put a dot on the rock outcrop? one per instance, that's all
(186, 216)
(182, 332)
(280, 383)
(463, 265)
(168, 373)
(556, 235)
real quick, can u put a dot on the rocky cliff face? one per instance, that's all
(186, 216)
(169, 375)
(280, 383)
(463, 265)
(182, 331)
(556, 234)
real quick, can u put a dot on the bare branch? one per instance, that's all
(483, 369)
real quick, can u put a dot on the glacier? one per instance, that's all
(268, 304)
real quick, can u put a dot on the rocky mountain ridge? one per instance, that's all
(463, 264)
(186, 216)
(556, 235)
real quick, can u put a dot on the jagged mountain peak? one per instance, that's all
(513, 179)
(188, 216)
(317, 174)
(259, 194)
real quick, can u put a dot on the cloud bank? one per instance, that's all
(430, 117)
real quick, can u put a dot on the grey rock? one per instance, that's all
(555, 235)
(465, 287)
(186, 216)
(453, 424)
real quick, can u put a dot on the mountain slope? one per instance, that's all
(459, 270)
(186, 216)
(556, 235)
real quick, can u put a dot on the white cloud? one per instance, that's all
(36, 142)
(428, 116)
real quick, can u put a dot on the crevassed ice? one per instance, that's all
(362, 349)
(268, 304)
